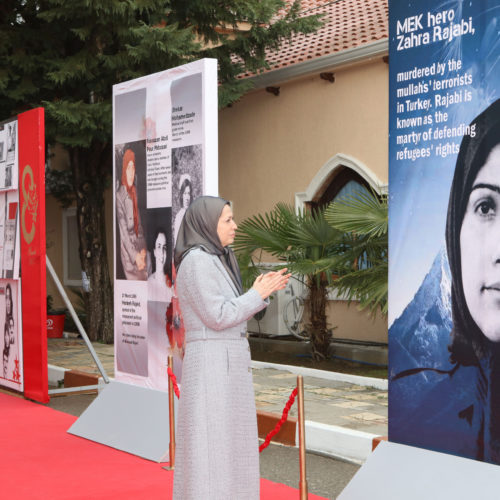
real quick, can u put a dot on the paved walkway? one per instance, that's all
(326, 401)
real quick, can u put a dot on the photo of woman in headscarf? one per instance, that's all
(460, 413)
(11, 136)
(132, 242)
(159, 282)
(185, 199)
(217, 445)
(6, 350)
(9, 337)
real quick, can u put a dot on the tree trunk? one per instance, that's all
(91, 168)
(318, 330)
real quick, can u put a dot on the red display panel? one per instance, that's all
(32, 222)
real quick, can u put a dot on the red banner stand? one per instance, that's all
(31, 132)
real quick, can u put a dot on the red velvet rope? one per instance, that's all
(174, 382)
(284, 416)
(278, 426)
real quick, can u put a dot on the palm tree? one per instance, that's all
(306, 244)
(365, 264)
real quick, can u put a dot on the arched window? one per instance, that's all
(341, 175)
(343, 181)
(333, 176)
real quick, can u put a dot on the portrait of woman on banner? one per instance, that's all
(159, 281)
(460, 412)
(9, 333)
(132, 242)
(185, 199)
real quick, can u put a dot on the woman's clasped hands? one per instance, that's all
(268, 283)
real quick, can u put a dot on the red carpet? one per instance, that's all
(39, 459)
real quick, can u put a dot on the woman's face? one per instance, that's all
(130, 173)
(186, 196)
(226, 227)
(160, 250)
(480, 248)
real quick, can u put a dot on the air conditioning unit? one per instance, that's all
(270, 321)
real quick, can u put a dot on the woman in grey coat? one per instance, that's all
(217, 444)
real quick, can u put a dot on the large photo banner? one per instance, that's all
(11, 340)
(165, 156)
(8, 155)
(9, 199)
(444, 274)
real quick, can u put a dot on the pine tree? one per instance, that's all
(66, 55)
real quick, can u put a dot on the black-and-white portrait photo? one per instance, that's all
(9, 352)
(8, 176)
(11, 136)
(11, 144)
(159, 244)
(187, 181)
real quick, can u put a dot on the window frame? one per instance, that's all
(66, 215)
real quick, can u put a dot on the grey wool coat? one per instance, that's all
(217, 453)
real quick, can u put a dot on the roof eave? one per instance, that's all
(330, 61)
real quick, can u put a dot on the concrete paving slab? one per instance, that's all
(337, 408)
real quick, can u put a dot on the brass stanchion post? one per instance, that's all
(302, 439)
(171, 416)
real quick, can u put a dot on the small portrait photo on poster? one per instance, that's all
(11, 140)
(11, 136)
(130, 177)
(187, 181)
(159, 244)
(10, 352)
(8, 176)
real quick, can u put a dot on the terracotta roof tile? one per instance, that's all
(347, 24)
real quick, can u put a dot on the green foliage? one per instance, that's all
(303, 241)
(66, 55)
(365, 260)
(59, 183)
(364, 213)
(50, 306)
(307, 246)
(344, 246)
(50, 302)
(248, 268)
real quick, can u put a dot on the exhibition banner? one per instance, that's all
(9, 199)
(8, 155)
(444, 226)
(11, 341)
(165, 155)
(31, 128)
(12, 352)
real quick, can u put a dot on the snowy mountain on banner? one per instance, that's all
(419, 338)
